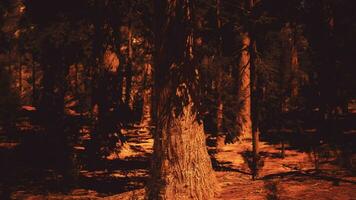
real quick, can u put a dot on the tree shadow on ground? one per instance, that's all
(335, 144)
(266, 154)
(225, 166)
(29, 167)
(109, 185)
(271, 188)
(305, 175)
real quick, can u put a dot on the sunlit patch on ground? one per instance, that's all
(292, 177)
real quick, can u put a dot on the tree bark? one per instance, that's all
(220, 106)
(181, 164)
(294, 67)
(220, 138)
(290, 57)
(34, 91)
(20, 79)
(244, 95)
(147, 98)
(254, 109)
(181, 167)
(128, 70)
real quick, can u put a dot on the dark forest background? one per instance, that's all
(76, 75)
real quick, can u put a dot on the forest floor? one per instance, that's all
(292, 177)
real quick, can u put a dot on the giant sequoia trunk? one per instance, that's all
(244, 95)
(181, 164)
(181, 167)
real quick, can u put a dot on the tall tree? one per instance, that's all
(220, 106)
(146, 119)
(244, 117)
(248, 117)
(181, 167)
(244, 80)
(129, 65)
(220, 140)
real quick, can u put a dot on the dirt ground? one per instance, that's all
(291, 178)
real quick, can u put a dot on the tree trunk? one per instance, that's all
(34, 91)
(181, 164)
(255, 152)
(128, 70)
(290, 57)
(220, 139)
(244, 95)
(255, 94)
(181, 167)
(147, 98)
(20, 78)
(294, 67)
(220, 110)
(76, 79)
(283, 152)
(105, 123)
(254, 109)
(220, 107)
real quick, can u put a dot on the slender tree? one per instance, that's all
(146, 118)
(129, 66)
(244, 80)
(244, 116)
(220, 106)
(248, 117)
